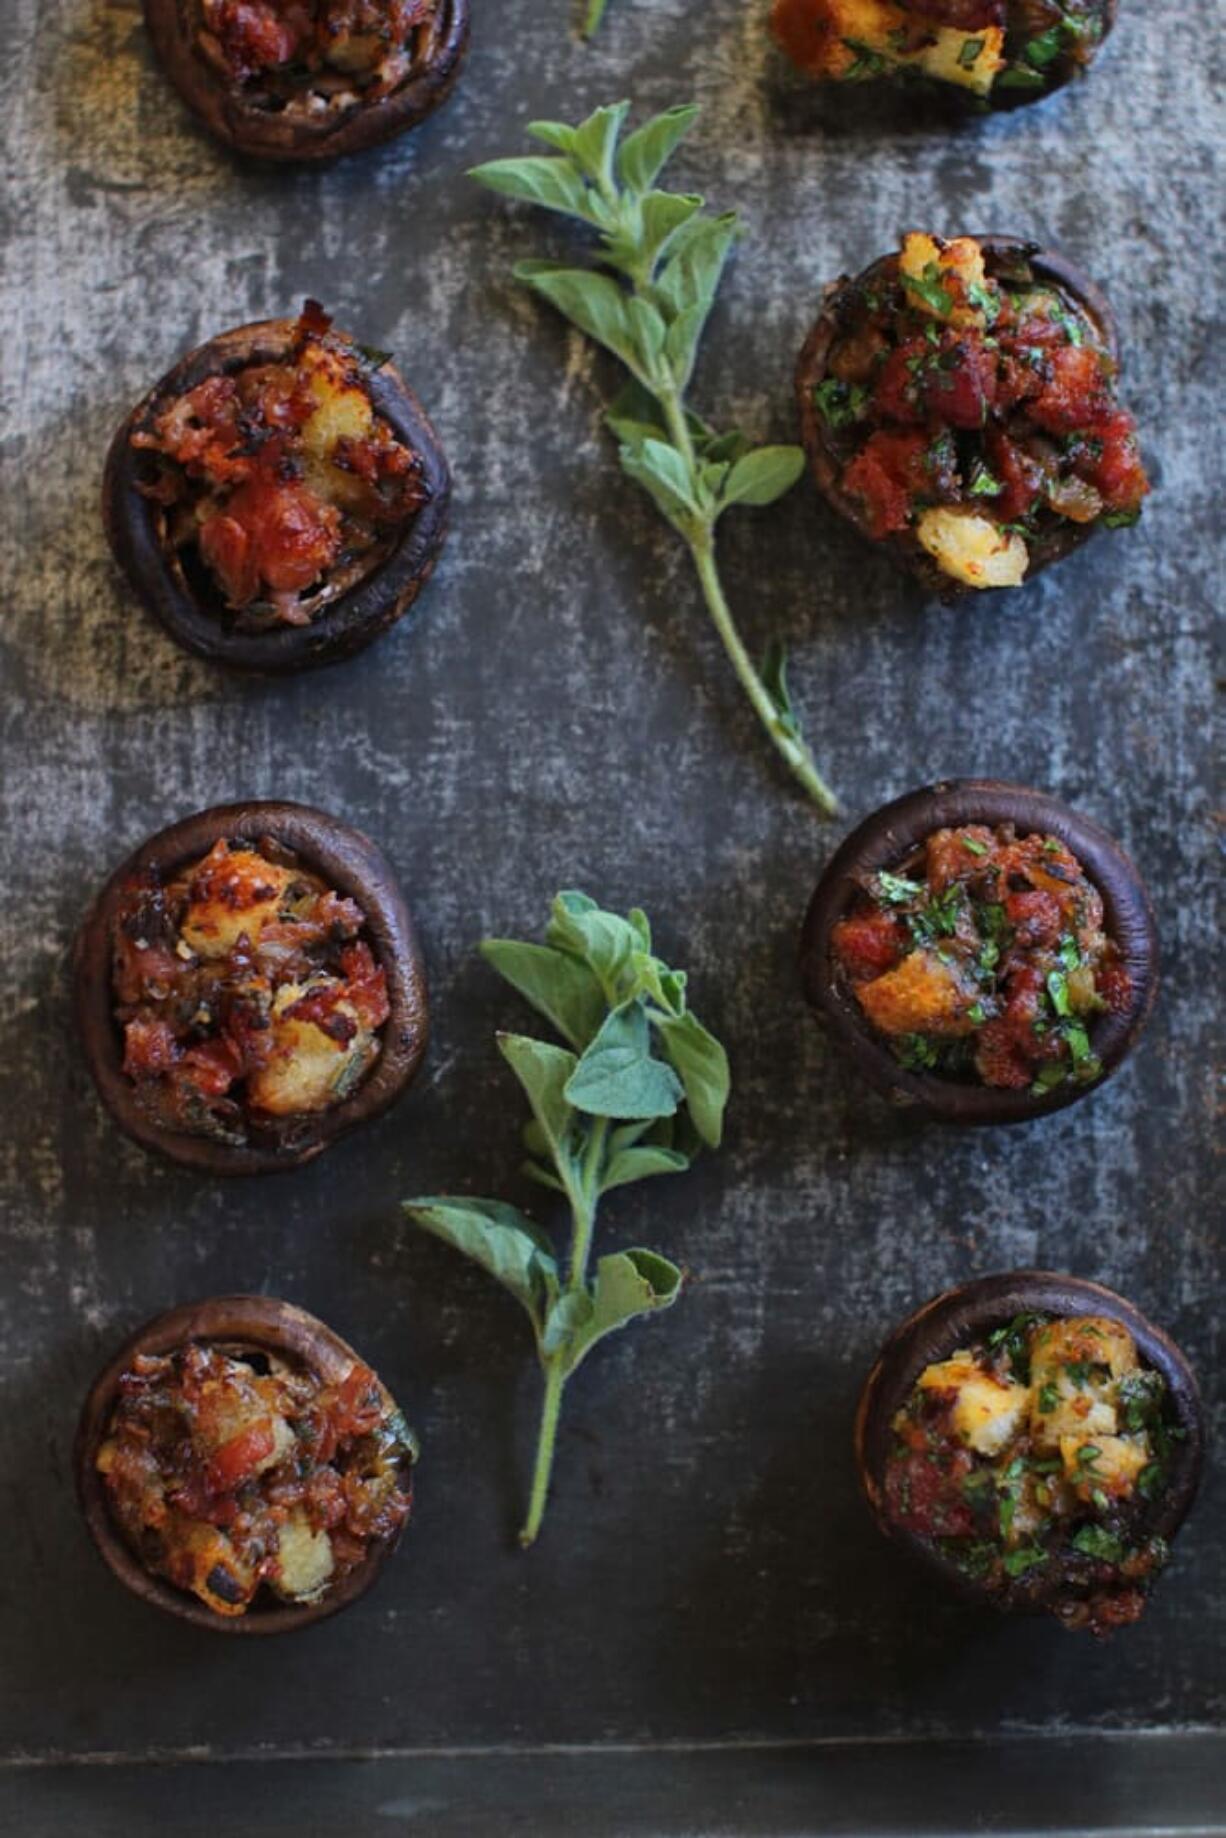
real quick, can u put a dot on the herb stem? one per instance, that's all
(583, 1210)
(701, 542)
(593, 17)
(546, 1442)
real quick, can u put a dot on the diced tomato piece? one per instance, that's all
(1117, 472)
(227, 549)
(366, 986)
(211, 1067)
(868, 944)
(1076, 392)
(1114, 984)
(924, 1493)
(237, 1459)
(1021, 477)
(959, 387)
(998, 1060)
(888, 473)
(150, 1049)
(1036, 917)
(271, 532)
(253, 36)
(896, 393)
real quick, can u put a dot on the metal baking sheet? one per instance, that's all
(709, 1638)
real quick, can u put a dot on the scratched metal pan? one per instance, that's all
(710, 1638)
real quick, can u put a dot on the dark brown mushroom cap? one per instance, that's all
(827, 455)
(961, 1316)
(885, 839)
(348, 862)
(194, 612)
(1063, 70)
(302, 135)
(247, 1324)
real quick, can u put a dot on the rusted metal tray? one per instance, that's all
(710, 1639)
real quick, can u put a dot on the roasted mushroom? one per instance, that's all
(279, 499)
(984, 953)
(239, 1466)
(1037, 1442)
(958, 406)
(309, 79)
(248, 987)
(997, 53)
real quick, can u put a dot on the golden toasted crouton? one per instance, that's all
(971, 548)
(308, 1069)
(922, 995)
(987, 1412)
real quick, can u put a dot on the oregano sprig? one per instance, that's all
(638, 1089)
(593, 13)
(661, 255)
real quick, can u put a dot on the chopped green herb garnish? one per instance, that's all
(976, 1013)
(968, 54)
(1088, 1454)
(868, 62)
(895, 888)
(982, 483)
(1121, 520)
(1096, 1541)
(1020, 76)
(840, 403)
(1070, 954)
(1028, 1557)
(985, 299)
(927, 287)
(1045, 49)
(1057, 991)
(1049, 1397)
(974, 845)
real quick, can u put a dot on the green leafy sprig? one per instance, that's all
(593, 13)
(638, 1089)
(661, 255)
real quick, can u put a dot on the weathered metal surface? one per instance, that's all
(560, 714)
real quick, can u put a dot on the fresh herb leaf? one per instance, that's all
(895, 888)
(840, 404)
(611, 1111)
(1121, 520)
(659, 262)
(1049, 1397)
(928, 288)
(982, 483)
(618, 1075)
(1026, 1557)
(969, 52)
(1096, 1541)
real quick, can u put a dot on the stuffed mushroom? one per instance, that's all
(249, 986)
(996, 53)
(240, 1466)
(279, 498)
(303, 80)
(984, 953)
(959, 406)
(1036, 1442)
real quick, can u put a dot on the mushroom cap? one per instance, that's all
(963, 1315)
(248, 1324)
(826, 455)
(885, 839)
(348, 862)
(298, 135)
(135, 526)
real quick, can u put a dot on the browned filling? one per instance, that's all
(246, 992)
